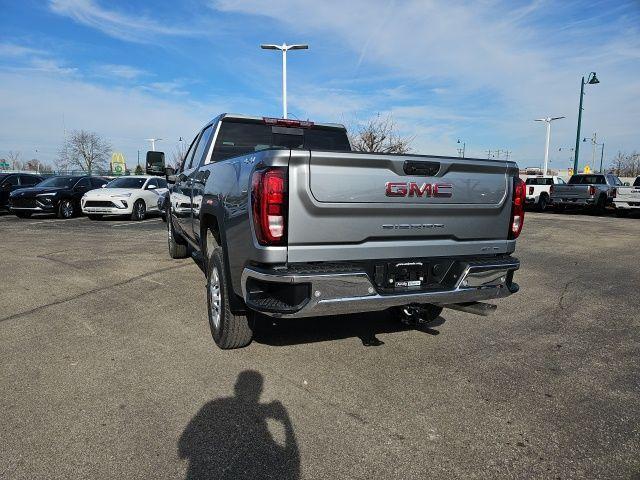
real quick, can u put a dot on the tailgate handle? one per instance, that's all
(427, 169)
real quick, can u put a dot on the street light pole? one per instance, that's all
(601, 156)
(463, 149)
(284, 48)
(548, 121)
(591, 80)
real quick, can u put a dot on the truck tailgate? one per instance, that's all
(360, 205)
(628, 194)
(571, 191)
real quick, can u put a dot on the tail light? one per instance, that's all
(614, 192)
(592, 190)
(530, 190)
(517, 208)
(269, 203)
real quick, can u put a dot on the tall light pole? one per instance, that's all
(548, 121)
(591, 80)
(284, 48)
(153, 142)
(461, 151)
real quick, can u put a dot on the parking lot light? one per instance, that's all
(284, 48)
(591, 80)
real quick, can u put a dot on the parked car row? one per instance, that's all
(70, 195)
(594, 191)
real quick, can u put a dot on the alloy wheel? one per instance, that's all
(214, 294)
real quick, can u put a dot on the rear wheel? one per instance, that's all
(177, 245)
(23, 214)
(228, 330)
(542, 203)
(139, 210)
(94, 217)
(598, 208)
(66, 209)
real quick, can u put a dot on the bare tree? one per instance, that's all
(626, 164)
(13, 158)
(84, 150)
(178, 154)
(379, 135)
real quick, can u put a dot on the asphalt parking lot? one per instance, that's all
(109, 371)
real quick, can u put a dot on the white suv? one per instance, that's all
(135, 195)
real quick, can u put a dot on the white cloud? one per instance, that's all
(14, 50)
(135, 28)
(489, 62)
(126, 72)
(38, 106)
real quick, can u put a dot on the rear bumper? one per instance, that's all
(334, 293)
(627, 205)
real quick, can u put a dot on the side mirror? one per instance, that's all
(6, 186)
(170, 174)
(155, 163)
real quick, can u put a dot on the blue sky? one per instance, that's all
(479, 71)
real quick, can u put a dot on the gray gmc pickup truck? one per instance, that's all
(288, 222)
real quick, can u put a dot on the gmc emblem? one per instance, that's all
(411, 189)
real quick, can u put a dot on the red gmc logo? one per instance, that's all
(412, 189)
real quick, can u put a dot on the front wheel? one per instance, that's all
(228, 330)
(177, 245)
(66, 209)
(139, 210)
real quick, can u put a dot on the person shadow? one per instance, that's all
(240, 438)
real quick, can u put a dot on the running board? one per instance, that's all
(477, 308)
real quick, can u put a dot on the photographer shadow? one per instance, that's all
(240, 438)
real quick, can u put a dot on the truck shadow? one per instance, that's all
(365, 326)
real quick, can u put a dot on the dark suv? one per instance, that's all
(13, 181)
(59, 195)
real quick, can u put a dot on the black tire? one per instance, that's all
(228, 330)
(177, 245)
(23, 214)
(139, 211)
(95, 217)
(66, 209)
(543, 202)
(598, 208)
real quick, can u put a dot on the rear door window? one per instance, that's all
(29, 180)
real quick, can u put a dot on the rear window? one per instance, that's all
(587, 180)
(241, 138)
(539, 181)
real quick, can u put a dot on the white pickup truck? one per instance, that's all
(539, 190)
(627, 198)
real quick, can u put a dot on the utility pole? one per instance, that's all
(284, 48)
(153, 142)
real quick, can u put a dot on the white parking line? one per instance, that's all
(54, 221)
(133, 222)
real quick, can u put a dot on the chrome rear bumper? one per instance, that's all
(353, 292)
